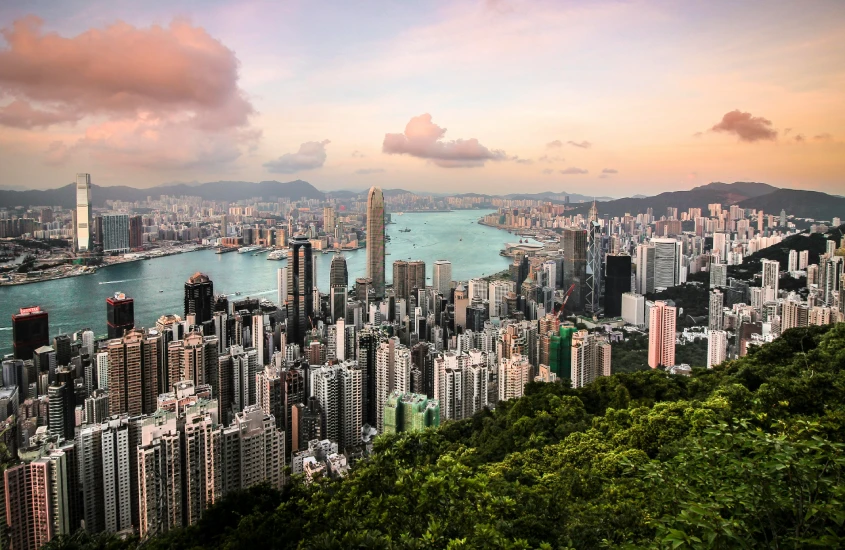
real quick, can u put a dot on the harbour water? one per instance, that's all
(157, 285)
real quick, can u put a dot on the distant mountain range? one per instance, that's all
(805, 204)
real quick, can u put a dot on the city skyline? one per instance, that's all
(484, 96)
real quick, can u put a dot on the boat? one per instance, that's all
(277, 255)
(161, 291)
(406, 230)
(247, 249)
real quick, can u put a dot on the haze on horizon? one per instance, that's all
(611, 98)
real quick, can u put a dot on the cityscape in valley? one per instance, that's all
(489, 274)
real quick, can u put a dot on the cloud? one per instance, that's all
(423, 139)
(581, 144)
(786, 131)
(603, 176)
(548, 171)
(547, 158)
(556, 144)
(311, 155)
(610, 171)
(358, 154)
(799, 138)
(172, 89)
(20, 114)
(57, 154)
(823, 137)
(573, 171)
(698, 134)
(368, 171)
(746, 127)
(522, 161)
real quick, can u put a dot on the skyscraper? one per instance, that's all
(575, 266)
(442, 277)
(300, 300)
(661, 335)
(667, 262)
(136, 232)
(400, 279)
(30, 331)
(594, 272)
(281, 286)
(83, 213)
(199, 297)
(771, 280)
(717, 302)
(120, 314)
(645, 269)
(115, 233)
(375, 239)
(616, 283)
(133, 373)
(717, 341)
(590, 358)
(338, 272)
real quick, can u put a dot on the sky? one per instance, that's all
(610, 98)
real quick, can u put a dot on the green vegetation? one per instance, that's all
(747, 455)
(692, 297)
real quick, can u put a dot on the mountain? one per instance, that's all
(737, 456)
(740, 188)
(800, 203)
(218, 191)
(556, 196)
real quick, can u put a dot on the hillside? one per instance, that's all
(800, 203)
(218, 191)
(747, 455)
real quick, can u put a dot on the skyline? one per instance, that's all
(634, 97)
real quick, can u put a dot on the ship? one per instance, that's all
(246, 249)
(224, 249)
(278, 255)
(406, 230)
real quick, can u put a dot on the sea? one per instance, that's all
(157, 285)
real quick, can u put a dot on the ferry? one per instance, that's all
(278, 255)
(224, 249)
(246, 249)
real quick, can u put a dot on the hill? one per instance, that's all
(218, 191)
(800, 203)
(746, 455)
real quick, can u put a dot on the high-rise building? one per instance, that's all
(338, 272)
(133, 372)
(159, 485)
(337, 389)
(120, 314)
(393, 372)
(375, 240)
(82, 226)
(616, 283)
(792, 263)
(410, 412)
(667, 262)
(560, 351)
(329, 220)
(367, 347)
(30, 331)
(300, 299)
(592, 302)
(803, 259)
(514, 373)
(281, 286)
(416, 276)
(716, 316)
(771, 280)
(718, 274)
(253, 450)
(136, 232)
(442, 277)
(661, 335)
(645, 269)
(717, 343)
(590, 358)
(400, 279)
(575, 266)
(199, 298)
(115, 233)
(633, 308)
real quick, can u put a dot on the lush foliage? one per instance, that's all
(749, 454)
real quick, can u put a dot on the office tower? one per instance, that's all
(281, 286)
(329, 220)
(497, 292)
(199, 298)
(30, 331)
(478, 289)
(410, 412)
(375, 240)
(792, 263)
(115, 233)
(83, 225)
(338, 273)
(633, 308)
(393, 372)
(549, 270)
(136, 232)
(442, 277)
(771, 280)
(294, 390)
(64, 349)
(715, 313)
(718, 275)
(667, 262)
(645, 269)
(592, 301)
(717, 343)
(661, 335)
(617, 282)
(120, 314)
(416, 276)
(514, 373)
(300, 300)
(133, 372)
(400, 279)
(159, 475)
(575, 266)
(461, 304)
(590, 358)
(367, 347)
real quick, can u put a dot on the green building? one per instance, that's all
(410, 412)
(560, 352)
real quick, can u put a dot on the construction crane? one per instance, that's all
(565, 299)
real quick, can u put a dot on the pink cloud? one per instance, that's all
(746, 127)
(311, 155)
(171, 92)
(424, 139)
(581, 144)
(573, 171)
(556, 144)
(823, 137)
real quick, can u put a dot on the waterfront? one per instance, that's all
(157, 285)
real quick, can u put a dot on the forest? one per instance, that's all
(746, 455)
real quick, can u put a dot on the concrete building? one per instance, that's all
(661, 335)
(375, 240)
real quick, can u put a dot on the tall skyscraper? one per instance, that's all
(592, 302)
(718, 274)
(661, 335)
(83, 225)
(771, 280)
(717, 342)
(400, 279)
(199, 297)
(442, 277)
(590, 358)
(716, 317)
(375, 239)
(120, 314)
(30, 331)
(133, 372)
(281, 286)
(136, 232)
(416, 276)
(338, 272)
(514, 373)
(616, 283)
(300, 300)
(645, 269)
(575, 266)
(115, 233)
(667, 262)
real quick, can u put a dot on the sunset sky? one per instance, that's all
(605, 98)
